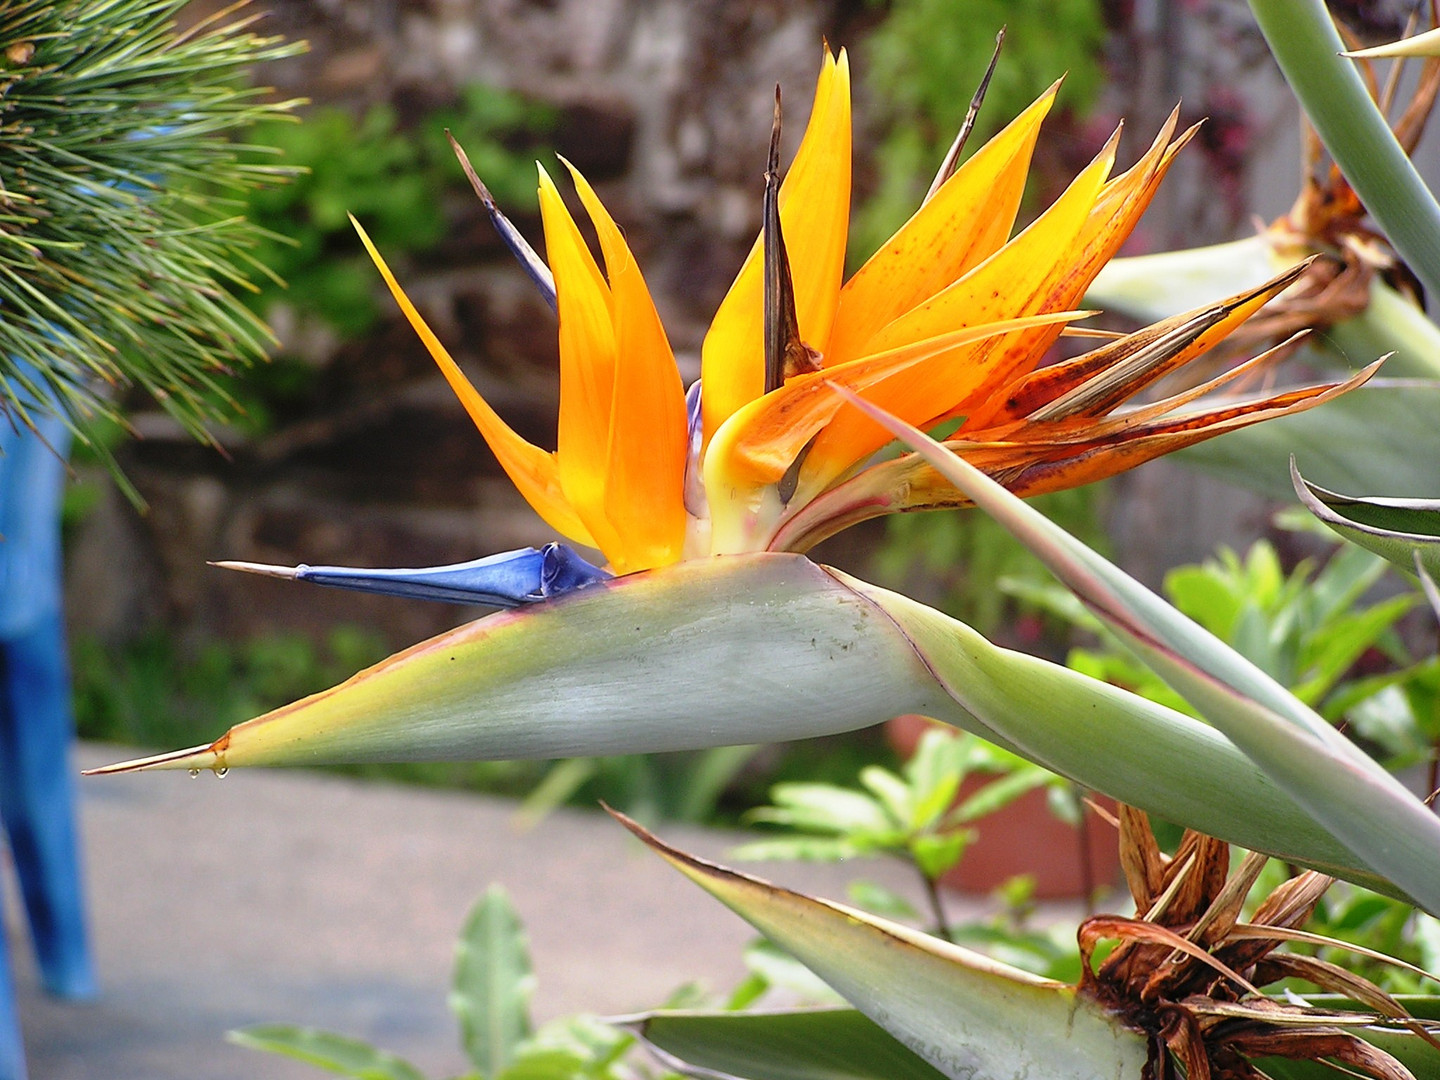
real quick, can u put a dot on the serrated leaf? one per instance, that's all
(970, 1017)
(493, 982)
(893, 793)
(325, 1050)
(936, 853)
(823, 808)
(801, 849)
(544, 1063)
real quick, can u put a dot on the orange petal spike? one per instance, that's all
(1010, 284)
(815, 216)
(587, 367)
(966, 222)
(1124, 449)
(533, 471)
(648, 437)
(759, 443)
(1114, 216)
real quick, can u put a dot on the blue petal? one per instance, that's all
(529, 260)
(694, 490)
(509, 579)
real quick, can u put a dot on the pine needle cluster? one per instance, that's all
(122, 244)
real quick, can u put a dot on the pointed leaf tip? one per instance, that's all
(194, 759)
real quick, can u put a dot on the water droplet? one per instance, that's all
(194, 773)
(222, 770)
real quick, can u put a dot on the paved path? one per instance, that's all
(288, 896)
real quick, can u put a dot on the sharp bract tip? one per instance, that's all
(195, 758)
(289, 573)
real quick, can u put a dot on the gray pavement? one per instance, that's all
(289, 896)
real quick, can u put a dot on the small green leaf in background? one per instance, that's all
(815, 1044)
(914, 815)
(335, 1053)
(493, 983)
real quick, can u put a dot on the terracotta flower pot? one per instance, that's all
(1024, 838)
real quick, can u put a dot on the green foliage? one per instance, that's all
(365, 167)
(966, 552)
(681, 786)
(116, 268)
(493, 984)
(1306, 629)
(391, 178)
(150, 693)
(502, 133)
(925, 60)
(490, 999)
(917, 815)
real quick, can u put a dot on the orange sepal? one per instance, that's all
(760, 442)
(815, 218)
(587, 367)
(1010, 284)
(648, 437)
(966, 222)
(1050, 384)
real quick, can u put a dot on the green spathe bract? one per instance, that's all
(766, 647)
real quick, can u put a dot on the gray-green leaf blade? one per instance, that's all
(970, 1017)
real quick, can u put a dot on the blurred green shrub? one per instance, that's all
(1308, 628)
(393, 179)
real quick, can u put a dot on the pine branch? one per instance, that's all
(122, 240)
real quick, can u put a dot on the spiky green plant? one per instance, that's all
(121, 244)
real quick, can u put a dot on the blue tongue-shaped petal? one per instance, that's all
(509, 579)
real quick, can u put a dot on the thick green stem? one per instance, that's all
(1306, 45)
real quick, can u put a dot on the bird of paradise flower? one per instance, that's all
(949, 320)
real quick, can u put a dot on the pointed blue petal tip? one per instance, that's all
(509, 579)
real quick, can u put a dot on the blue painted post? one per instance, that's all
(37, 795)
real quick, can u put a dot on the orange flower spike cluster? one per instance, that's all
(950, 319)
(622, 438)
